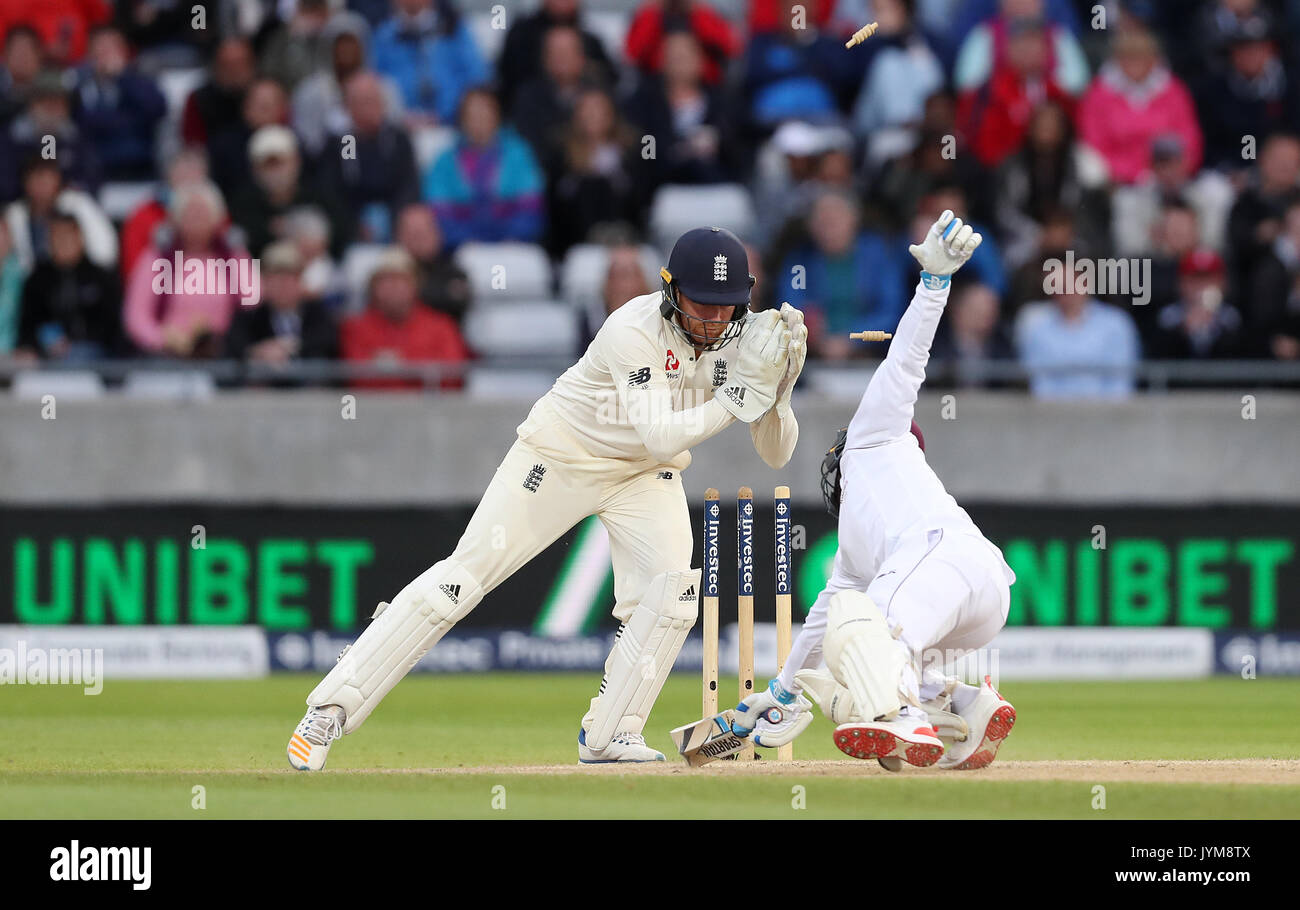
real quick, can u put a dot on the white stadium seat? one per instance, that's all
(169, 385)
(582, 277)
(430, 142)
(358, 262)
(536, 328)
(506, 271)
(64, 385)
(495, 384)
(677, 209)
(119, 200)
(490, 40)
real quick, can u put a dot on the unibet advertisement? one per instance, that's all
(295, 569)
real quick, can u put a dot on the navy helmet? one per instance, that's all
(710, 266)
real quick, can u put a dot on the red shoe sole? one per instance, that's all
(856, 742)
(999, 728)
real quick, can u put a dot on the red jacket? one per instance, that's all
(62, 24)
(994, 118)
(645, 39)
(425, 336)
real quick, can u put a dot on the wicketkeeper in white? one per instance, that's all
(913, 577)
(665, 372)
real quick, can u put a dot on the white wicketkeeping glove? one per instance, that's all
(761, 355)
(798, 354)
(947, 246)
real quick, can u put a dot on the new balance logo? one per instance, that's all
(665, 475)
(638, 377)
(452, 592)
(688, 594)
(534, 478)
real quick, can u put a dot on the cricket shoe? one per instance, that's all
(624, 747)
(905, 737)
(310, 744)
(990, 718)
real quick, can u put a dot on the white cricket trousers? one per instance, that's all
(946, 587)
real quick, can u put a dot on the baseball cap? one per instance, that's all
(710, 266)
(1201, 262)
(272, 140)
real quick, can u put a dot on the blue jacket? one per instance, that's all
(878, 303)
(433, 68)
(489, 194)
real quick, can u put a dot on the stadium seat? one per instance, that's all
(582, 277)
(497, 384)
(430, 142)
(834, 384)
(610, 26)
(169, 385)
(358, 262)
(545, 328)
(67, 385)
(119, 200)
(490, 40)
(519, 271)
(676, 209)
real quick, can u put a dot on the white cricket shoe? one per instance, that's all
(989, 717)
(624, 747)
(310, 744)
(907, 736)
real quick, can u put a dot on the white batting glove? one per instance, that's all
(797, 355)
(947, 246)
(761, 356)
(787, 715)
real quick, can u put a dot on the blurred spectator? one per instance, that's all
(1254, 96)
(44, 196)
(952, 22)
(22, 63)
(1219, 22)
(1076, 347)
(1134, 101)
(811, 160)
(173, 318)
(1256, 218)
(986, 263)
(970, 335)
(655, 20)
(218, 104)
(900, 73)
(685, 117)
(994, 112)
(1020, 34)
(767, 15)
(847, 280)
(624, 279)
(796, 70)
(1200, 324)
(543, 105)
(288, 323)
(596, 181)
(62, 24)
(279, 185)
(118, 109)
(1271, 307)
(188, 167)
(265, 104)
(46, 128)
(429, 52)
(71, 308)
(486, 187)
(296, 49)
(1137, 207)
(162, 33)
(308, 230)
(1046, 175)
(440, 282)
(12, 274)
(396, 328)
(1174, 236)
(319, 111)
(378, 175)
(941, 157)
(521, 58)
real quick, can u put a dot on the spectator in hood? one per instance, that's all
(428, 51)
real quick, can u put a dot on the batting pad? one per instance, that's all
(863, 656)
(395, 641)
(643, 653)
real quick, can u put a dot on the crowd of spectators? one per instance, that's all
(1164, 134)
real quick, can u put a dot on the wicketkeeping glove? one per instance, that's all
(798, 353)
(761, 355)
(947, 246)
(774, 704)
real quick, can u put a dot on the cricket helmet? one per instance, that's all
(710, 266)
(831, 489)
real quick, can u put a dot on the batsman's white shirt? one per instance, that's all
(903, 539)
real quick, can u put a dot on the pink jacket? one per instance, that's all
(1120, 119)
(152, 305)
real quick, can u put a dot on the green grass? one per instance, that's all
(138, 750)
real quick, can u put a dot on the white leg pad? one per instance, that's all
(863, 656)
(395, 641)
(643, 654)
